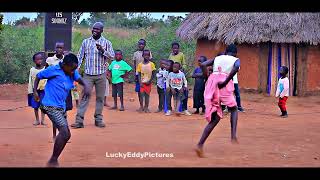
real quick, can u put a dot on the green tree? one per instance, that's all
(109, 19)
(16, 49)
(84, 23)
(138, 20)
(24, 21)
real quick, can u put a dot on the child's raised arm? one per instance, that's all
(204, 67)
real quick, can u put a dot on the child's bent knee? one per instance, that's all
(65, 132)
(66, 136)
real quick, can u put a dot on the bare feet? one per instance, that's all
(199, 151)
(36, 123)
(196, 112)
(201, 113)
(234, 141)
(42, 123)
(52, 164)
(178, 113)
(147, 110)
(106, 105)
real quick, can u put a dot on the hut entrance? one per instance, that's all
(282, 55)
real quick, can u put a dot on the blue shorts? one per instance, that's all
(34, 104)
(137, 89)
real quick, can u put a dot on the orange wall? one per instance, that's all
(208, 48)
(249, 57)
(313, 68)
(249, 69)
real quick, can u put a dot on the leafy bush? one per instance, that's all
(160, 45)
(16, 50)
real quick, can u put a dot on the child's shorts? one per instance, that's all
(179, 94)
(57, 115)
(34, 104)
(145, 88)
(117, 89)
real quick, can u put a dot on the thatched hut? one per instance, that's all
(265, 42)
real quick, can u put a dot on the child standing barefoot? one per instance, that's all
(283, 91)
(147, 71)
(176, 84)
(119, 69)
(137, 59)
(198, 90)
(37, 59)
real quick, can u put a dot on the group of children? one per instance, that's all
(51, 86)
(171, 81)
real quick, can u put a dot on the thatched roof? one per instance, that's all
(252, 27)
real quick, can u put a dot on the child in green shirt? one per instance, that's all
(119, 69)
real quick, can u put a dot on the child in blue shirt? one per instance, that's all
(199, 85)
(60, 79)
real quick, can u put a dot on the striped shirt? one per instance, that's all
(95, 62)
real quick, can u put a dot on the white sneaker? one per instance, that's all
(168, 113)
(187, 113)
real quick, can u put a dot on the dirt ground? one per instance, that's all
(265, 140)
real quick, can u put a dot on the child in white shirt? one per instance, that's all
(283, 91)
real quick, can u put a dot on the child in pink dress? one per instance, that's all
(219, 89)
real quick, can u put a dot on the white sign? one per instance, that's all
(58, 19)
